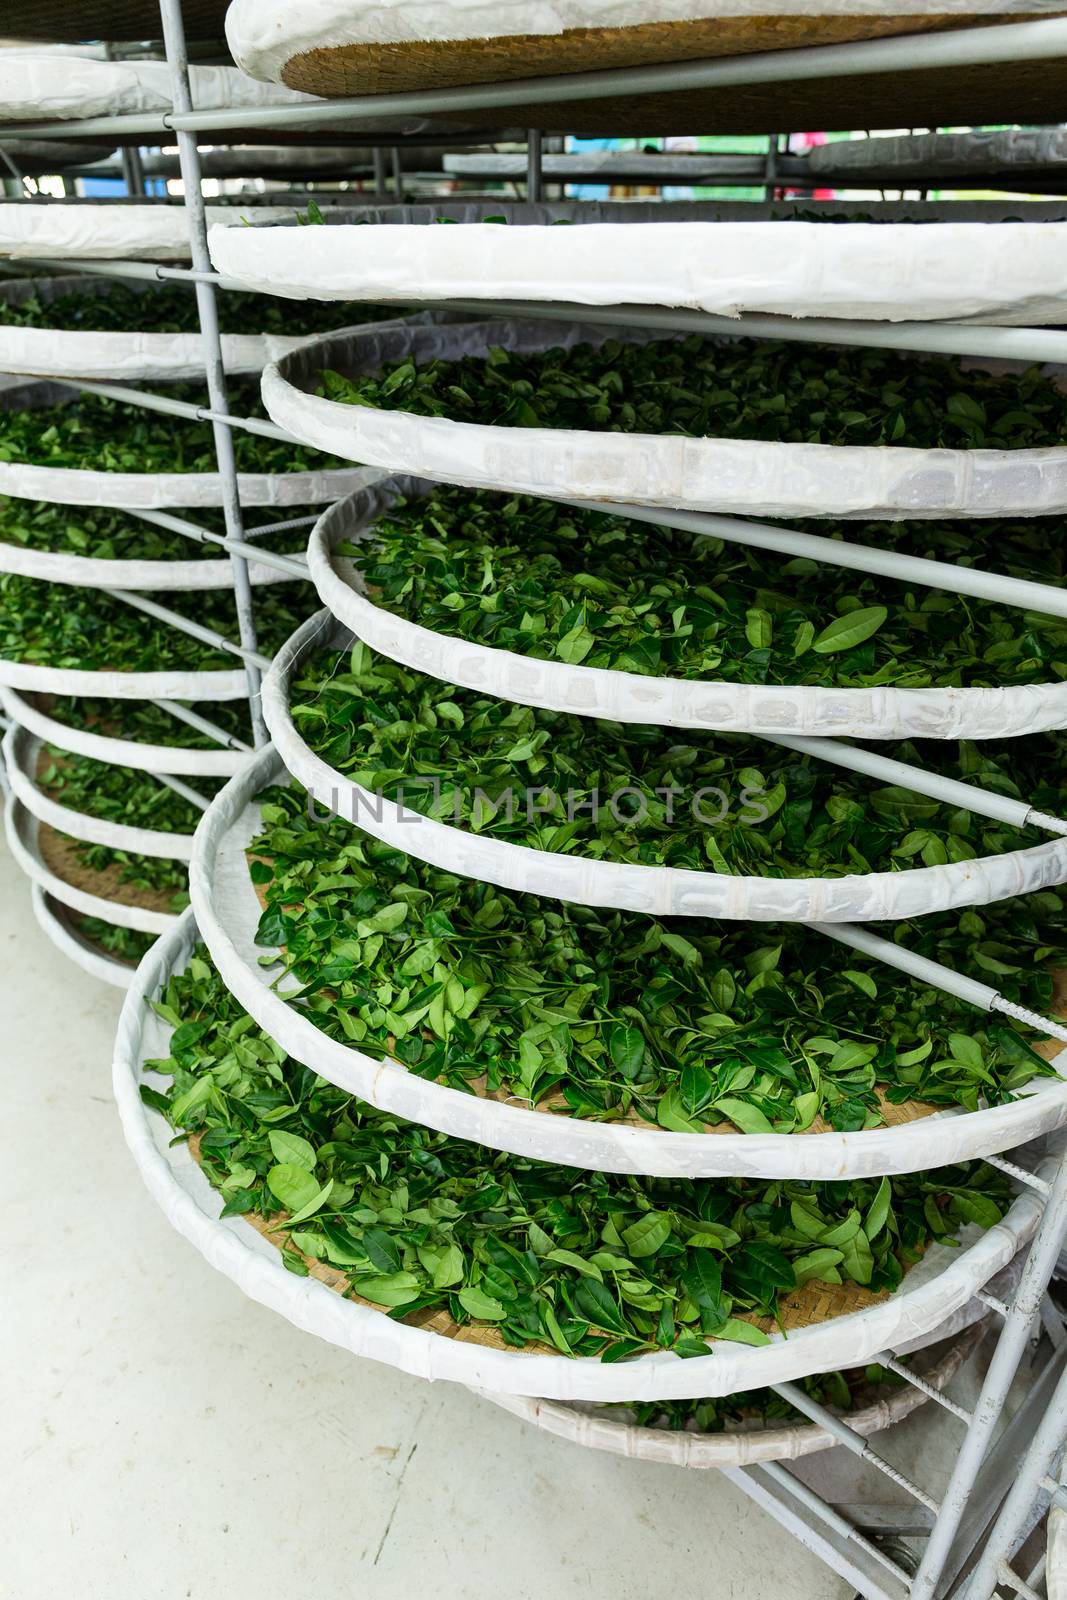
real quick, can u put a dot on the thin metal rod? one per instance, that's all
(934, 338)
(534, 150)
(282, 527)
(149, 401)
(381, 186)
(1003, 1365)
(398, 175)
(825, 1513)
(949, 791)
(193, 719)
(1020, 1585)
(183, 789)
(854, 1442)
(993, 586)
(1019, 1174)
(916, 966)
(132, 169)
(195, 630)
(965, 47)
(174, 41)
(928, 1389)
(294, 566)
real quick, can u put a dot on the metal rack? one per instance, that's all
(953, 1524)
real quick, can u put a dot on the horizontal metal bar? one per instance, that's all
(965, 47)
(996, 587)
(792, 1503)
(145, 271)
(949, 791)
(173, 619)
(932, 338)
(150, 401)
(887, 1359)
(183, 789)
(1020, 1174)
(1001, 1307)
(282, 527)
(852, 1441)
(193, 719)
(294, 566)
(1005, 1574)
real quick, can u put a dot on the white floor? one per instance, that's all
(161, 1438)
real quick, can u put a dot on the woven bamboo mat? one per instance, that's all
(1027, 92)
(60, 855)
(413, 65)
(815, 1302)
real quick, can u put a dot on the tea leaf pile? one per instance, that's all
(607, 1014)
(588, 1263)
(588, 589)
(636, 793)
(739, 388)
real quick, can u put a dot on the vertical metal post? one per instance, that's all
(1002, 1368)
(398, 175)
(1011, 1525)
(770, 169)
(132, 170)
(381, 190)
(534, 139)
(189, 162)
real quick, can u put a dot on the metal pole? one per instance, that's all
(770, 173)
(189, 158)
(1010, 1527)
(995, 586)
(949, 791)
(1002, 1368)
(132, 169)
(534, 185)
(193, 719)
(398, 176)
(381, 187)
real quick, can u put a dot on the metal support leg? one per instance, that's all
(381, 188)
(132, 170)
(189, 160)
(1002, 1368)
(534, 141)
(1016, 1514)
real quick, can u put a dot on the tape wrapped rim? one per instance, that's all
(628, 886)
(875, 271)
(741, 476)
(97, 963)
(80, 486)
(116, 357)
(20, 827)
(97, 572)
(881, 713)
(22, 749)
(923, 1303)
(112, 685)
(175, 760)
(228, 913)
(734, 1446)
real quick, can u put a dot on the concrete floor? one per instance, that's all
(162, 1438)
